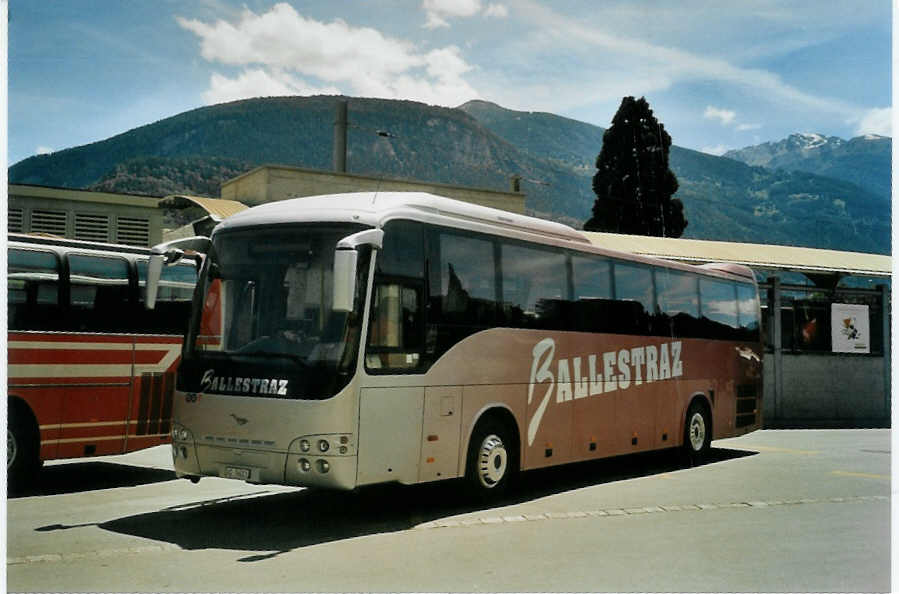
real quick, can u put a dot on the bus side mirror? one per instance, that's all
(346, 260)
(169, 253)
(154, 271)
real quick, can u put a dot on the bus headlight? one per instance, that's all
(304, 465)
(304, 445)
(323, 466)
(323, 445)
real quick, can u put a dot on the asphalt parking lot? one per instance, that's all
(770, 511)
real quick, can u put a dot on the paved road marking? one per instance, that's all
(775, 450)
(635, 511)
(860, 474)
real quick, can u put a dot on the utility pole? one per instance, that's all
(340, 128)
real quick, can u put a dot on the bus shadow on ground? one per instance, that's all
(276, 524)
(79, 477)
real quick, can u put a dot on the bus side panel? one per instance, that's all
(390, 432)
(81, 404)
(156, 359)
(479, 399)
(441, 433)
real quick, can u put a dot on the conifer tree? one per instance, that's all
(633, 183)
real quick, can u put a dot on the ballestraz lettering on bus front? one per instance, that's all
(243, 385)
(581, 377)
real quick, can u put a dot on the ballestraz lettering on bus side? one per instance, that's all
(582, 377)
(245, 385)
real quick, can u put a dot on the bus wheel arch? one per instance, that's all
(493, 455)
(698, 429)
(22, 442)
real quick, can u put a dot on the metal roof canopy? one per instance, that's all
(217, 208)
(809, 261)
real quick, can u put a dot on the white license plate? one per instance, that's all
(240, 474)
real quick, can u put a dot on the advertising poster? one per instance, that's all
(850, 328)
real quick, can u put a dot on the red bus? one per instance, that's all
(345, 340)
(90, 370)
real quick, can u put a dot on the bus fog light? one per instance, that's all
(184, 435)
(304, 445)
(343, 449)
(323, 445)
(323, 466)
(344, 439)
(304, 465)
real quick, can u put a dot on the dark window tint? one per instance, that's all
(99, 294)
(634, 300)
(748, 311)
(173, 299)
(403, 251)
(32, 290)
(719, 308)
(535, 287)
(464, 284)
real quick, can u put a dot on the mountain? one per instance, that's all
(865, 161)
(478, 144)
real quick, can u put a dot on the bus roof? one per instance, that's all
(376, 208)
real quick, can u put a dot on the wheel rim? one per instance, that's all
(11, 448)
(697, 431)
(493, 461)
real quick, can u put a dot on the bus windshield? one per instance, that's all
(265, 325)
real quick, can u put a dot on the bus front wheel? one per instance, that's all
(697, 434)
(22, 461)
(492, 460)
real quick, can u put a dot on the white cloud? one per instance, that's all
(748, 127)
(259, 83)
(438, 11)
(284, 52)
(499, 11)
(717, 150)
(876, 121)
(725, 116)
(43, 150)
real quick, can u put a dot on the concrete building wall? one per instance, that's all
(826, 391)
(271, 183)
(80, 214)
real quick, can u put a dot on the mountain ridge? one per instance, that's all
(479, 144)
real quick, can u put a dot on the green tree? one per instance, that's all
(633, 183)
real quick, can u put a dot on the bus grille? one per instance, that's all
(747, 405)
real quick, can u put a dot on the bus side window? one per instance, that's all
(719, 308)
(634, 306)
(748, 312)
(535, 287)
(678, 297)
(173, 300)
(32, 290)
(592, 293)
(396, 330)
(99, 300)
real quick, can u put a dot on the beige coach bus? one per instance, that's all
(345, 340)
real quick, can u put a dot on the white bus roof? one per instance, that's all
(376, 208)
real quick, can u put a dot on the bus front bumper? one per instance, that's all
(192, 460)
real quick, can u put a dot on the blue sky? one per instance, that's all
(719, 74)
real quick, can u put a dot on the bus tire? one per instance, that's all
(22, 444)
(697, 433)
(492, 459)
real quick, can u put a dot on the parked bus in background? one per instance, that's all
(346, 340)
(90, 369)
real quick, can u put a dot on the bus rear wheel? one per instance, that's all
(492, 460)
(697, 434)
